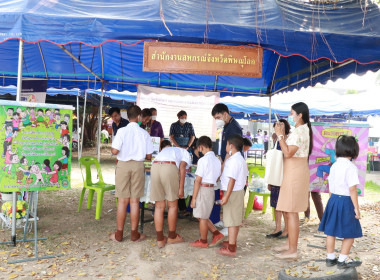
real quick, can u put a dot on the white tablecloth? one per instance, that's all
(189, 185)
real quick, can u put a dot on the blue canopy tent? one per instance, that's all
(99, 44)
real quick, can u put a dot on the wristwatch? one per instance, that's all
(280, 137)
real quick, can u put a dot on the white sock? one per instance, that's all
(342, 258)
(331, 256)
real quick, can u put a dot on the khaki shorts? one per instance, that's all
(233, 211)
(204, 203)
(164, 182)
(129, 179)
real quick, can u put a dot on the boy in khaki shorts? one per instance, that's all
(132, 145)
(233, 180)
(208, 172)
(167, 183)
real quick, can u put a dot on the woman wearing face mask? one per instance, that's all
(155, 126)
(294, 189)
(182, 132)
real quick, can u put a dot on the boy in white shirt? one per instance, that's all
(208, 172)
(233, 180)
(167, 183)
(132, 145)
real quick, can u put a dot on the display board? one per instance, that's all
(36, 146)
(323, 155)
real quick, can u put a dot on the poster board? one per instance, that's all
(323, 154)
(36, 146)
(34, 91)
(156, 141)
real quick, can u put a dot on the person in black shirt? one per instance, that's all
(118, 121)
(182, 132)
(230, 126)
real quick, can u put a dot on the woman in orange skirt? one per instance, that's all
(294, 189)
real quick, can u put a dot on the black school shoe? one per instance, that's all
(330, 262)
(274, 235)
(348, 263)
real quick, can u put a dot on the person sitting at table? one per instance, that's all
(202, 202)
(146, 116)
(167, 184)
(118, 121)
(155, 126)
(130, 172)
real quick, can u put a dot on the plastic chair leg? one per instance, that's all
(99, 204)
(265, 202)
(90, 198)
(248, 210)
(81, 199)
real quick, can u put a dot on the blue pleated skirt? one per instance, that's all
(339, 218)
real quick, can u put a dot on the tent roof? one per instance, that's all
(299, 38)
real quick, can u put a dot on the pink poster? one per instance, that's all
(323, 155)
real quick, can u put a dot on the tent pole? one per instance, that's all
(270, 119)
(19, 70)
(100, 120)
(78, 136)
(84, 117)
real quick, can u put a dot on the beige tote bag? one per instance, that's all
(275, 167)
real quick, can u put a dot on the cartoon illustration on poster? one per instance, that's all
(323, 155)
(36, 147)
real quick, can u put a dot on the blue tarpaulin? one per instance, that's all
(304, 42)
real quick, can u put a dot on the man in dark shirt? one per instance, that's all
(230, 126)
(118, 121)
(182, 132)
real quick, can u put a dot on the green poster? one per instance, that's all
(36, 146)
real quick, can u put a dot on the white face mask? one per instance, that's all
(154, 118)
(219, 123)
(183, 120)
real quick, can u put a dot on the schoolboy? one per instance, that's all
(167, 183)
(233, 180)
(208, 172)
(132, 145)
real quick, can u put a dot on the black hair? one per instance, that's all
(219, 108)
(63, 122)
(247, 142)
(347, 146)
(67, 151)
(59, 165)
(56, 110)
(301, 108)
(58, 114)
(113, 110)
(15, 114)
(237, 141)
(204, 141)
(8, 125)
(133, 111)
(66, 115)
(181, 113)
(9, 108)
(164, 144)
(40, 110)
(146, 113)
(153, 109)
(22, 160)
(47, 162)
(67, 136)
(47, 110)
(286, 124)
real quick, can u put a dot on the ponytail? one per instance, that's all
(311, 137)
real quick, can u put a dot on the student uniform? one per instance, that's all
(339, 216)
(134, 144)
(209, 168)
(235, 167)
(165, 173)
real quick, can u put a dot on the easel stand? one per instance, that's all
(33, 199)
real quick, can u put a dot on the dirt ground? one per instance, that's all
(88, 254)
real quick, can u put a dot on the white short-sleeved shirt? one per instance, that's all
(133, 143)
(174, 154)
(236, 168)
(209, 168)
(300, 137)
(343, 175)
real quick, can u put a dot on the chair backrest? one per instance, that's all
(255, 169)
(87, 162)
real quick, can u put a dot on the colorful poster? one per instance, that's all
(156, 141)
(33, 91)
(323, 155)
(36, 146)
